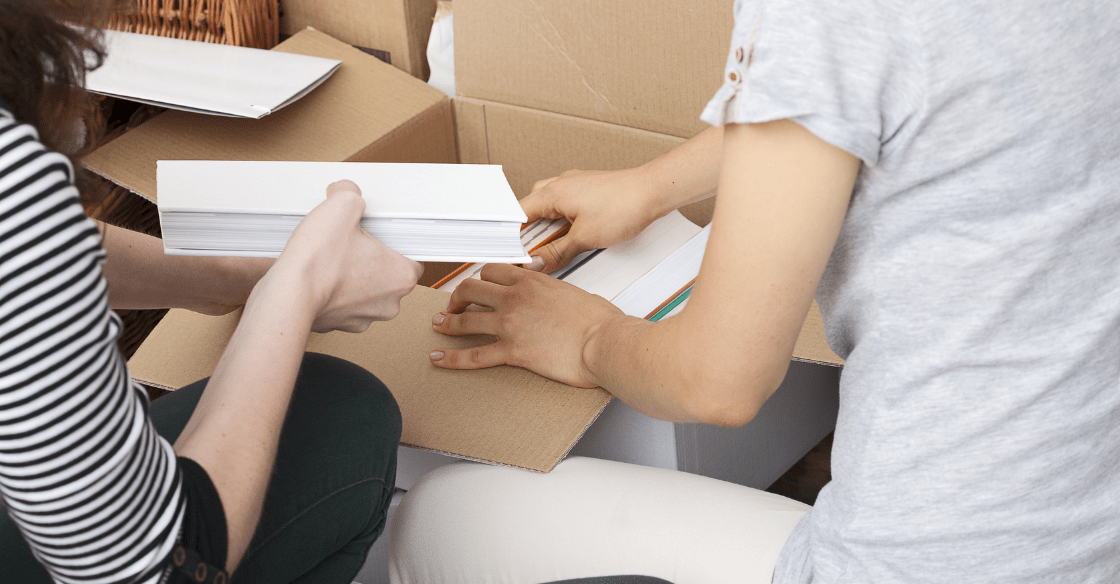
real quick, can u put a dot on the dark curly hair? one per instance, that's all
(46, 49)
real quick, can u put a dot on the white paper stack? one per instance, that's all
(427, 212)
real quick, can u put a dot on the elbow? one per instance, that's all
(725, 413)
(728, 399)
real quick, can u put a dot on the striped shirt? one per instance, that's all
(94, 489)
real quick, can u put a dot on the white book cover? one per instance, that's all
(203, 77)
(666, 279)
(472, 192)
(614, 269)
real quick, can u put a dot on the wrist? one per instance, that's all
(597, 345)
(657, 186)
(282, 292)
(238, 276)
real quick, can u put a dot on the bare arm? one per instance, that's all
(331, 276)
(141, 276)
(783, 194)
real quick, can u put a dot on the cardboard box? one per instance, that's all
(532, 145)
(367, 111)
(502, 415)
(648, 65)
(398, 29)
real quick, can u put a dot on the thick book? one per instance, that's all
(426, 212)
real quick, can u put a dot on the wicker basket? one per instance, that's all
(245, 23)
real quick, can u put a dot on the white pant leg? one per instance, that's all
(472, 523)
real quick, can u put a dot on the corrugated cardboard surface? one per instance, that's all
(532, 145)
(398, 27)
(503, 415)
(649, 65)
(366, 112)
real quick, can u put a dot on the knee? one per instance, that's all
(355, 390)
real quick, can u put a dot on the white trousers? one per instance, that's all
(473, 523)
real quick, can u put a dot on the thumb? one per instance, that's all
(555, 255)
(344, 203)
(343, 186)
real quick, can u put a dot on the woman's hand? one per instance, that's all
(610, 207)
(542, 324)
(605, 208)
(351, 279)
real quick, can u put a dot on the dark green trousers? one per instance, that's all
(330, 488)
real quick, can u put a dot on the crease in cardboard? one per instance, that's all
(113, 180)
(486, 133)
(563, 52)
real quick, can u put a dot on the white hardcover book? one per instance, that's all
(637, 275)
(206, 78)
(610, 271)
(427, 212)
(666, 280)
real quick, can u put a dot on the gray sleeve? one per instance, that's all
(850, 72)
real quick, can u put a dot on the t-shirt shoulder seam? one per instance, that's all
(921, 78)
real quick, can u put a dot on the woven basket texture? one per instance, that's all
(245, 23)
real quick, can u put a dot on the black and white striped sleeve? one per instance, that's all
(95, 491)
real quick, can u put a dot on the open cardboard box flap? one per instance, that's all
(367, 111)
(503, 415)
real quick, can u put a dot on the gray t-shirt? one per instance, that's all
(975, 286)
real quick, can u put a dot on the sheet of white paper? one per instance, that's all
(477, 192)
(204, 77)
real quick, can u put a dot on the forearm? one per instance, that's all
(235, 428)
(688, 173)
(682, 370)
(772, 234)
(141, 276)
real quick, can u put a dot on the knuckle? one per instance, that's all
(391, 311)
(475, 355)
(460, 322)
(552, 255)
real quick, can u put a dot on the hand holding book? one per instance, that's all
(350, 278)
(605, 208)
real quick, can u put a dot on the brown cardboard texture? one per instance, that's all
(532, 145)
(649, 65)
(502, 415)
(397, 27)
(366, 112)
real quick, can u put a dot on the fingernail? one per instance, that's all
(536, 265)
(435, 355)
(438, 319)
